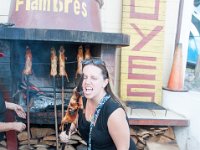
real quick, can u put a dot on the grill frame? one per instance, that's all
(105, 45)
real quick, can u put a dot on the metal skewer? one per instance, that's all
(63, 95)
(27, 72)
(28, 111)
(62, 73)
(55, 111)
(54, 73)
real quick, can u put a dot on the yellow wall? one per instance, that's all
(141, 62)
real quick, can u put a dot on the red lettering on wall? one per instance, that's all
(132, 65)
(140, 94)
(147, 38)
(139, 15)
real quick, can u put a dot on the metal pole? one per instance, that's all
(27, 72)
(179, 22)
(63, 100)
(62, 73)
(54, 73)
(28, 111)
(55, 111)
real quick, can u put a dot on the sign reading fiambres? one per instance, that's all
(78, 7)
(56, 14)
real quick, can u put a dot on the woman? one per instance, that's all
(102, 122)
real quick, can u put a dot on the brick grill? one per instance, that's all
(13, 42)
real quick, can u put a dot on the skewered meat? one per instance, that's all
(54, 60)
(72, 110)
(79, 60)
(87, 52)
(28, 64)
(62, 62)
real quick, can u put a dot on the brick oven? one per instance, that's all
(13, 84)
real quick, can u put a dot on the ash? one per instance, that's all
(39, 103)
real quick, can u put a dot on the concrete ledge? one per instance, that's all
(71, 36)
(158, 122)
(147, 113)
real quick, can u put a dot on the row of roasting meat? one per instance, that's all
(54, 59)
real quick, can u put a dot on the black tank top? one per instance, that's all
(101, 139)
(2, 114)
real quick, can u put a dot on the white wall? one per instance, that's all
(185, 29)
(170, 35)
(111, 16)
(4, 10)
(187, 104)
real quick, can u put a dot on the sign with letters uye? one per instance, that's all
(141, 62)
(81, 15)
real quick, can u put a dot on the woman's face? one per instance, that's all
(93, 82)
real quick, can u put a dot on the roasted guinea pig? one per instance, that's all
(72, 110)
(28, 64)
(87, 52)
(54, 60)
(62, 59)
(79, 61)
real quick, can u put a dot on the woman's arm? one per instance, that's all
(7, 126)
(17, 108)
(119, 129)
(10, 106)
